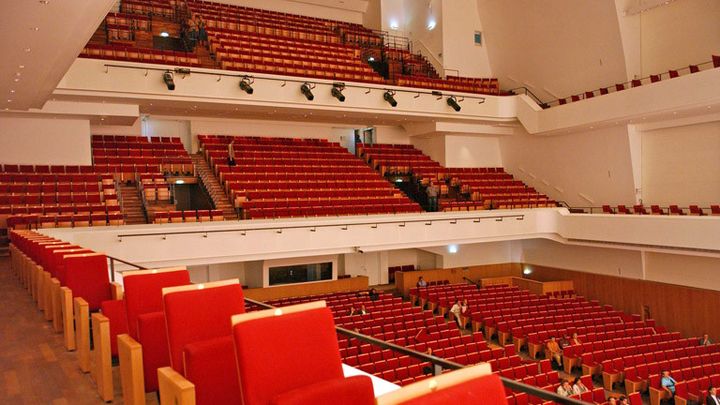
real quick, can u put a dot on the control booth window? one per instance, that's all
(301, 273)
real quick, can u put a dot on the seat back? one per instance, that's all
(86, 274)
(272, 361)
(199, 312)
(143, 291)
(473, 384)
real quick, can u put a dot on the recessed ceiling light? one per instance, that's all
(17, 79)
(18, 74)
(45, 2)
(21, 66)
(27, 49)
(9, 100)
(34, 28)
(12, 91)
(674, 112)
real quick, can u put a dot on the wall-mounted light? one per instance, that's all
(527, 271)
(431, 24)
(164, 34)
(246, 84)
(389, 96)
(337, 90)
(453, 102)
(169, 80)
(306, 90)
(394, 25)
(453, 248)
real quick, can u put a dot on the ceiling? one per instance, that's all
(41, 39)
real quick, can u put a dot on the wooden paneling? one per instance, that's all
(320, 287)
(405, 281)
(692, 311)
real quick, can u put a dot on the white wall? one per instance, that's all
(613, 262)
(680, 33)
(477, 254)
(168, 126)
(461, 19)
(373, 265)
(133, 130)
(45, 141)
(391, 134)
(433, 146)
(584, 168)
(418, 14)
(693, 271)
(421, 259)
(220, 271)
(373, 15)
(681, 165)
(554, 47)
(472, 151)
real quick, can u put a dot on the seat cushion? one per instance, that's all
(114, 310)
(210, 365)
(356, 390)
(152, 335)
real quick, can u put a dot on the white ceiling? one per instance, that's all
(41, 39)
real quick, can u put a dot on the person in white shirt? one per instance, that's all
(455, 310)
(565, 389)
(712, 398)
(578, 386)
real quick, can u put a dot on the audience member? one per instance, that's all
(363, 311)
(421, 282)
(623, 400)
(575, 340)
(352, 312)
(432, 193)
(712, 398)
(455, 311)
(565, 389)
(668, 384)
(578, 386)
(554, 350)
(373, 294)
(705, 340)
(612, 401)
(231, 154)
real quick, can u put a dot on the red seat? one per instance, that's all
(199, 337)
(268, 358)
(87, 276)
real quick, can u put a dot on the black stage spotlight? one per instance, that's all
(337, 90)
(246, 84)
(306, 90)
(168, 79)
(388, 96)
(452, 102)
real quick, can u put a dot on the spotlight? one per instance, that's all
(182, 71)
(452, 102)
(306, 88)
(168, 79)
(246, 84)
(388, 96)
(337, 90)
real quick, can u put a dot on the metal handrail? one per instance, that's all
(451, 219)
(478, 285)
(627, 84)
(439, 363)
(530, 94)
(112, 266)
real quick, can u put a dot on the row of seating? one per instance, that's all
(195, 347)
(63, 220)
(322, 189)
(164, 217)
(125, 52)
(640, 209)
(671, 74)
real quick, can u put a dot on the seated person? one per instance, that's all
(705, 340)
(668, 383)
(712, 398)
(373, 294)
(554, 350)
(362, 310)
(455, 312)
(353, 311)
(565, 389)
(623, 400)
(574, 340)
(421, 282)
(578, 387)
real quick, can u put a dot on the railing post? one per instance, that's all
(112, 269)
(437, 369)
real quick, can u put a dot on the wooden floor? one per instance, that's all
(35, 368)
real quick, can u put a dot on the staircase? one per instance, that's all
(131, 205)
(213, 186)
(4, 242)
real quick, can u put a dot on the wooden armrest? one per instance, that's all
(67, 315)
(116, 290)
(46, 295)
(82, 333)
(174, 388)
(56, 305)
(656, 395)
(132, 377)
(102, 367)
